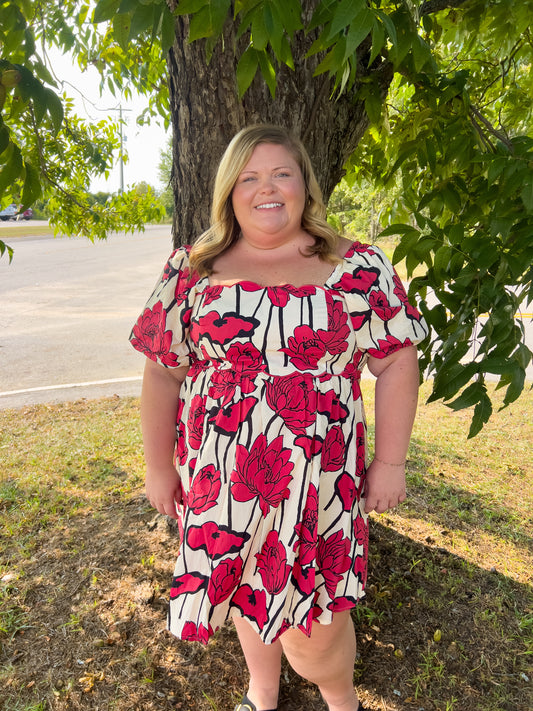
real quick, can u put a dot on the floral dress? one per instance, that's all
(271, 437)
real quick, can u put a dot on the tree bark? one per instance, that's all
(207, 112)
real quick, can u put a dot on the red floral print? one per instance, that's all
(222, 329)
(192, 633)
(329, 404)
(342, 603)
(338, 330)
(359, 281)
(381, 306)
(227, 420)
(195, 421)
(346, 490)
(399, 291)
(305, 348)
(252, 604)
(216, 540)
(247, 363)
(293, 398)
(272, 564)
(263, 472)
(303, 578)
(310, 445)
(333, 559)
(181, 445)
(150, 336)
(224, 578)
(388, 346)
(187, 583)
(306, 530)
(212, 293)
(204, 490)
(360, 530)
(333, 450)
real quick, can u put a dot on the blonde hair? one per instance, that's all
(225, 229)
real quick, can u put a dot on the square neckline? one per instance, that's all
(259, 287)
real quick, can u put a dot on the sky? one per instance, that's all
(142, 143)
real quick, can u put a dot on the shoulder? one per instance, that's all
(359, 254)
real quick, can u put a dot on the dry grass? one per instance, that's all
(447, 624)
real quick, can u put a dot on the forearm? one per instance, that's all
(159, 406)
(395, 406)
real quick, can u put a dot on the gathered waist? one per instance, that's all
(226, 371)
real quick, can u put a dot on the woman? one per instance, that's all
(253, 422)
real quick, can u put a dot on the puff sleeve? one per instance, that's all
(382, 317)
(162, 330)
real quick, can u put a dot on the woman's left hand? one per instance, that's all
(384, 486)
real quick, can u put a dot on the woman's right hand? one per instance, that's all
(163, 490)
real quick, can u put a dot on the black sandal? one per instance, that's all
(246, 705)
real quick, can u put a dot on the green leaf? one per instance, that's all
(105, 10)
(246, 69)
(54, 106)
(259, 31)
(121, 30)
(482, 413)
(469, 397)
(268, 72)
(32, 185)
(527, 194)
(378, 39)
(359, 29)
(209, 21)
(168, 30)
(344, 14)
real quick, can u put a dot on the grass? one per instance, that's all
(85, 564)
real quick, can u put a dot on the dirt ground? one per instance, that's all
(94, 598)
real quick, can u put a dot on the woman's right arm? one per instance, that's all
(159, 407)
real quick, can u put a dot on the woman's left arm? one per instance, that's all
(395, 408)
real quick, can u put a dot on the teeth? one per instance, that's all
(268, 205)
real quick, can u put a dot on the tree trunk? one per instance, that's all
(207, 112)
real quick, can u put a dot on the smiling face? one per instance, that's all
(269, 196)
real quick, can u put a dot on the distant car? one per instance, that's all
(26, 215)
(10, 213)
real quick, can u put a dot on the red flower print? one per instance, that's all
(222, 329)
(342, 603)
(359, 318)
(293, 398)
(187, 583)
(360, 452)
(399, 291)
(224, 578)
(272, 564)
(360, 281)
(195, 421)
(338, 329)
(333, 559)
(212, 293)
(305, 348)
(263, 472)
(285, 625)
(346, 490)
(303, 578)
(204, 490)
(333, 451)
(227, 420)
(360, 530)
(388, 346)
(181, 444)
(183, 285)
(246, 362)
(252, 604)
(330, 405)
(150, 336)
(215, 540)
(380, 306)
(310, 445)
(360, 568)
(306, 530)
(191, 633)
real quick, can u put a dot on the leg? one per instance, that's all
(264, 664)
(326, 659)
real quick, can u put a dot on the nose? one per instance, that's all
(267, 184)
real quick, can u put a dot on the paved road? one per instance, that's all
(66, 309)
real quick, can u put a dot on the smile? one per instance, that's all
(269, 205)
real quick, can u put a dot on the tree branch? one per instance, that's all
(431, 6)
